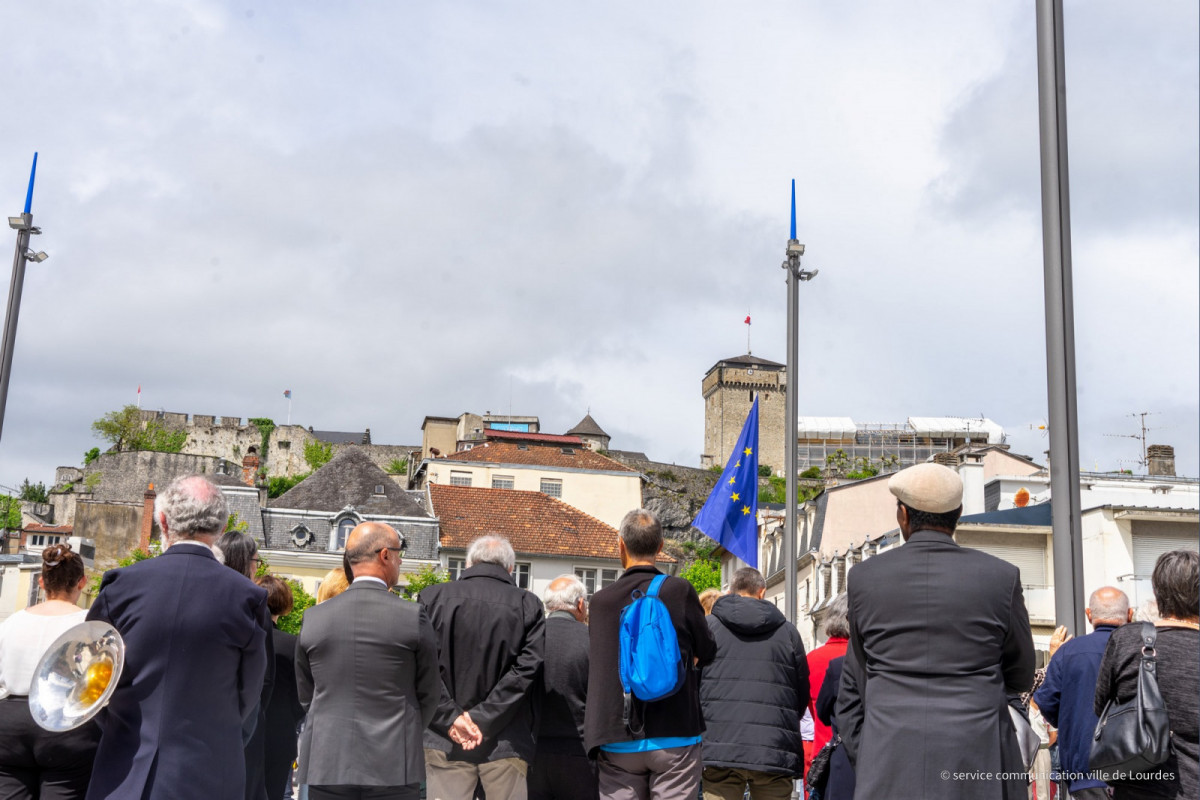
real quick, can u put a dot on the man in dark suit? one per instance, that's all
(939, 635)
(367, 674)
(195, 656)
(561, 769)
(490, 646)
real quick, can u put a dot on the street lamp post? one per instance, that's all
(24, 227)
(791, 414)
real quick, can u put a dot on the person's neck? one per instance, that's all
(370, 573)
(636, 562)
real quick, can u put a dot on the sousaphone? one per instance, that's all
(77, 676)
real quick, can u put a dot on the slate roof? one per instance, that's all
(350, 478)
(537, 455)
(751, 361)
(342, 437)
(1028, 515)
(534, 523)
(587, 427)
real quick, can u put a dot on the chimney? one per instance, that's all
(147, 518)
(946, 459)
(250, 467)
(971, 472)
(1160, 460)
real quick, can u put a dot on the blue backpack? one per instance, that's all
(650, 663)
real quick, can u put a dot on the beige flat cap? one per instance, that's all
(928, 487)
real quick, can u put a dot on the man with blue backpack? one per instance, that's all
(649, 639)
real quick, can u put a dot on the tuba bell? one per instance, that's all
(77, 676)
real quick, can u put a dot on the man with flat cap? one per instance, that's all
(939, 638)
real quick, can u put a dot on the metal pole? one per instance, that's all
(10, 316)
(1066, 514)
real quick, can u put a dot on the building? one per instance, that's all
(304, 530)
(591, 433)
(594, 484)
(450, 434)
(899, 445)
(550, 537)
(729, 388)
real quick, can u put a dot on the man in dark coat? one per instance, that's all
(840, 784)
(1066, 696)
(939, 636)
(366, 673)
(195, 656)
(753, 695)
(561, 769)
(490, 636)
(665, 752)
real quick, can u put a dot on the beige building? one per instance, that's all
(448, 435)
(729, 388)
(590, 482)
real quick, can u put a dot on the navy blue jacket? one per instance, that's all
(195, 656)
(1066, 698)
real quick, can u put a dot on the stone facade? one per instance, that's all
(125, 476)
(114, 526)
(728, 389)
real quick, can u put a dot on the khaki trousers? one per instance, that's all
(722, 783)
(502, 779)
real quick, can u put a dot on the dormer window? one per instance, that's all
(568, 451)
(379, 488)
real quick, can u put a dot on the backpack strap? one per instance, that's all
(655, 585)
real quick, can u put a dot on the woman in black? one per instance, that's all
(284, 711)
(1176, 582)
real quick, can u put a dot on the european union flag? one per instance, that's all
(730, 515)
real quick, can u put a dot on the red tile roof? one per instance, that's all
(522, 436)
(538, 455)
(39, 528)
(534, 523)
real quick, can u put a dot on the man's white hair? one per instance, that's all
(491, 549)
(567, 597)
(192, 505)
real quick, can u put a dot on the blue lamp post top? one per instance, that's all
(33, 172)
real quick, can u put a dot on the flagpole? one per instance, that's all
(791, 422)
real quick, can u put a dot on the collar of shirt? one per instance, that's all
(193, 543)
(362, 578)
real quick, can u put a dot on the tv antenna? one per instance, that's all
(1141, 416)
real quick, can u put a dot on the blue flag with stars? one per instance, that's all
(730, 515)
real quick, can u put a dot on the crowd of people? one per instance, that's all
(482, 689)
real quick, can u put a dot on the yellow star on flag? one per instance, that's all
(747, 451)
(735, 497)
(732, 481)
(745, 510)
(738, 464)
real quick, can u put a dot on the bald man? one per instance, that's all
(1066, 696)
(367, 674)
(561, 769)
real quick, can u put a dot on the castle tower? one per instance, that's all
(728, 388)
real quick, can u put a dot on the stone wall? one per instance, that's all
(675, 494)
(125, 476)
(728, 394)
(114, 526)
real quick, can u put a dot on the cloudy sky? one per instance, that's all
(408, 209)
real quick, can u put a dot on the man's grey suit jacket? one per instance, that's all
(367, 674)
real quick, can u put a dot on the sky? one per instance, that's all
(405, 209)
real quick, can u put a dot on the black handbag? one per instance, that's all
(1135, 736)
(818, 771)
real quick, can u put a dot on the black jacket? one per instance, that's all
(841, 774)
(677, 715)
(490, 636)
(284, 713)
(756, 689)
(563, 685)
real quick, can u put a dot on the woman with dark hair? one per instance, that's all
(240, 552)
(284, 711)
(35, 762)
(1176, 582)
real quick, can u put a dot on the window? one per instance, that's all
(608, 577)
(42, 540)
(521, 574)
(588, 576)
(338, 540)
(455, 567)
(568, 451)
(552, 487)
(35, 591)
(503, 482)
(460, 478)
(379, 488)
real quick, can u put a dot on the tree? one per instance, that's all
(34, 492)
(427, 575)
(91, 455)
(703, 573)
(281, 483)
(301, 602)
(10, 512)
(125, 430)
(397, 466)
(236, 523)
